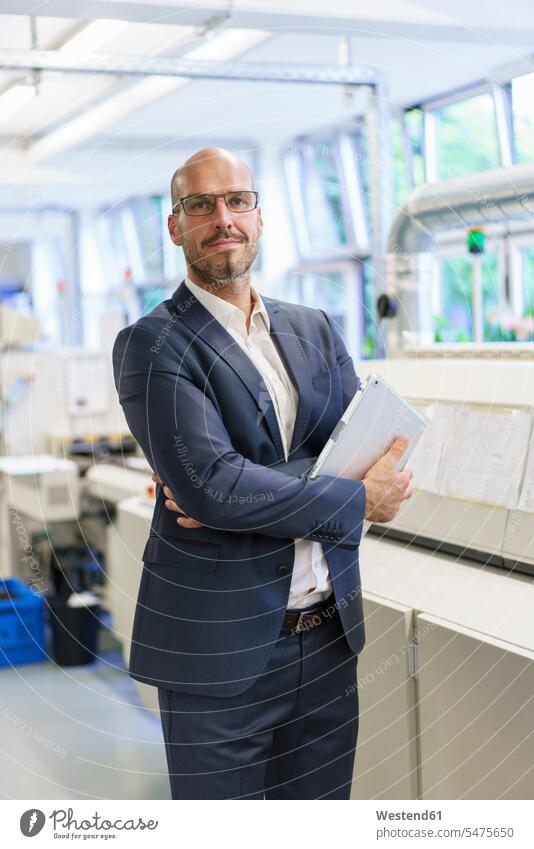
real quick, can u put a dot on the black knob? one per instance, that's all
(282, 569)
(386, 306)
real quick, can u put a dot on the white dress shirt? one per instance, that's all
(310, 581)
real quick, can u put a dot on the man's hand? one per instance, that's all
(385, 487)
(183, 520)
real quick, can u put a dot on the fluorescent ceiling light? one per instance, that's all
(384, 10)
(93, 36)
(111, 110)
(15, 98)
(227, 45)
(178, 34)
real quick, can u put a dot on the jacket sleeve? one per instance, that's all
(186, 443)
(303, 466)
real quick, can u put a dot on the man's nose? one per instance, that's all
(222, 215)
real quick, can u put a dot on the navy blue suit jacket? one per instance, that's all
(211, 600)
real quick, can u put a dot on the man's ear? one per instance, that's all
(260, 222)
(174, 233)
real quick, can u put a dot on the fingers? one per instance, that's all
(399, 446)
(403, 483)
(170, 504)
(182, 520)
(388, 445)
(187, 522)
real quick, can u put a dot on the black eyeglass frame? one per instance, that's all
(201, 194)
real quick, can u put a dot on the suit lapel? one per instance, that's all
(203, 324)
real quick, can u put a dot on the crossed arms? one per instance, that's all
(187, 445)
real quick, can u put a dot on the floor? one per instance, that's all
(77, 733)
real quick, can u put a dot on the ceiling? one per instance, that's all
(91, 130)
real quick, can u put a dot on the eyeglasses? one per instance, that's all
(205, 204)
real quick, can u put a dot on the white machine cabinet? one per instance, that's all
(446, 679)
(475, 707)
(126, 539)
(386, 760)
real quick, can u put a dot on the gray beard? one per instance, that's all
(225, 276)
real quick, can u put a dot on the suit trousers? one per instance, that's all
(290, 735)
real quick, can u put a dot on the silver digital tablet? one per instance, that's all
(372, 420)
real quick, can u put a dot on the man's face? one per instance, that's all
(219, 247)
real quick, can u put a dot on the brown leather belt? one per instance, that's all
(306, 620)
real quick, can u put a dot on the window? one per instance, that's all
(325, 181)
(466, 137)
(521, 320)
(370, 328)
(359, 137)
(527, 276)
(492, 299)
(401, 178)
(523, 116)
(147, 216)
(150, 297)
(323, 202)
(414, 128)
(336, 289)
(454, 322)
(131, 241)
(128, 264)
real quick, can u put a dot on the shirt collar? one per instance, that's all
(228, 314)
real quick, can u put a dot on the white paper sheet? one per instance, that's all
(485, 456)
(526, 499)
(426, 461)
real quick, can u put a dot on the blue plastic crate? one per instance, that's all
(22, 636)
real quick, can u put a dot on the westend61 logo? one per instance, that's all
(33, 820)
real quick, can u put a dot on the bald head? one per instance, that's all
(208, 171)
(221, 241)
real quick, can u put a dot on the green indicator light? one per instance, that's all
(475, 240)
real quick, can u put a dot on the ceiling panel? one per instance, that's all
(59, 96)
(139, 146)
(148, 39)
(278, 111)
(15, 31)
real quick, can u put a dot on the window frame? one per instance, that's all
(352, 271)
(346, 158)
(431, 108)
(500, 89)
(451, 245)
(517, 243)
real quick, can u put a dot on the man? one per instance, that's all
(249, 616)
